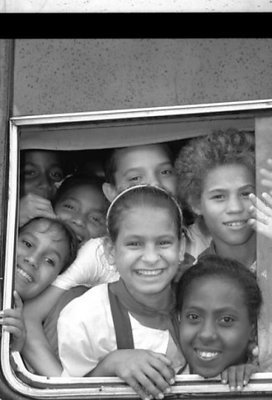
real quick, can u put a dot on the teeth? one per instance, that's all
(207, 355)
(148, 272)
(236, 223)
(24, 274)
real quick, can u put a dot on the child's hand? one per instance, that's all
(267, 176)
(32, 206)
(150, 374)
(238, 376)
(261, 214)
(13, 322)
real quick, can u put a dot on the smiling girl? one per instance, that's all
(138, 311)
(219, 301)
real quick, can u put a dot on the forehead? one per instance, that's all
(136, 156)
(39, 157)
(53, 230)
(230, 175)
(215, 292)
(81, 192)
(139, 218)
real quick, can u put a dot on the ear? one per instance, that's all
(109, 191)
(109, 250)
(195, 205)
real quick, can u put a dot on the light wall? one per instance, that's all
(70, 75)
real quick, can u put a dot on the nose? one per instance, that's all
(235, 204)
(32, 260)
(150, 254)
(153, 179)
(78, 220)
(208, 331)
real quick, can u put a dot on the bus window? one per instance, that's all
(87, 137)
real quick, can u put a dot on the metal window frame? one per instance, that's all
(35, 386)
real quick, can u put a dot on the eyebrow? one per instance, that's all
(223, 189)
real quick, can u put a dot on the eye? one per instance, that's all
(135, 179)
(246, 193)
(97, 219)
(56, 175)
(167, 171)
(192, 317)
(165, 243)
(27, 243)
(218, 197)
(226, 320)
(30, 173)
(134, 243)
(50, 261)
(68, 206)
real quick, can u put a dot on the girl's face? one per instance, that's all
(224, 203)
(148, 164)
(146, 251)
(41, 255)
(214, 327)
(40, 172)
(83, 208)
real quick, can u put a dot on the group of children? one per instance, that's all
(155, 296)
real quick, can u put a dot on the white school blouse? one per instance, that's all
(90, 267)
(86, 333)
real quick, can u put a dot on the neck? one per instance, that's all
(244, 253)
(154, 300)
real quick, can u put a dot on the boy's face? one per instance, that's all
(40, 171)
(147, 254)
(83, 208)
(214, 326)
(41, 254)
(148, 164)
(225, 204)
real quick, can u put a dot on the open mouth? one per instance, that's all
(23, 274)
(236, 224)
(149, 272)
(207, 355)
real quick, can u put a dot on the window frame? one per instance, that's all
(44, 387)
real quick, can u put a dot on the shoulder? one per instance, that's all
(90, 302)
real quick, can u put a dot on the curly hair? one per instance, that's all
(202, 154)
(226, 269)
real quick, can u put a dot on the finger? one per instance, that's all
(162, 357)
(162, 371)
(17, 300)
(259, 205)
(224, 377)
(151, 387)
(157, 378)
(14, 330)
(134, 384)
(267, 198)
(11, 321)
(240, 377)
(249, 370)
(232, 378)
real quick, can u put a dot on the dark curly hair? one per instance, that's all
(204, 153)
(227, 268)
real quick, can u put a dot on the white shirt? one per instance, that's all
(90, 267)
(86, 333)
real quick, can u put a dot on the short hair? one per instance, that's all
(140, 196)
(66, 230)
(110, 161)
(77, 180)
(202, 154)
(216, 266)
